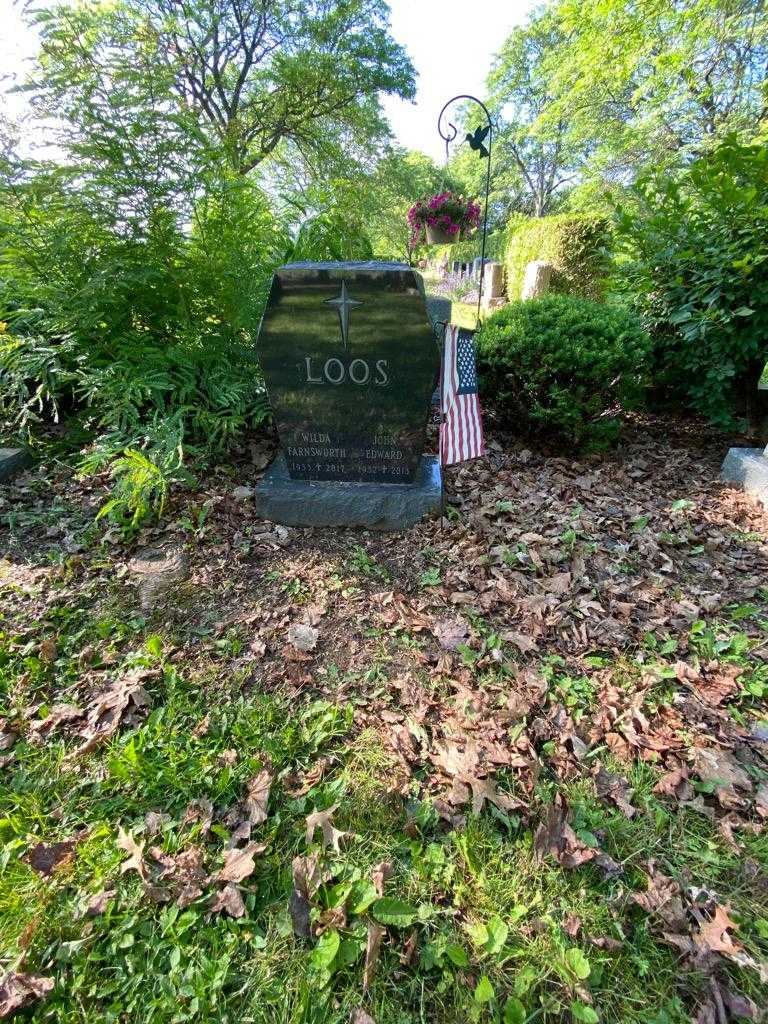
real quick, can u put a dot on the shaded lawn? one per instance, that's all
(572, 631)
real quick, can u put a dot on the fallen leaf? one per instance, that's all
(239, 864)
(379, 875)
(107, 712)
(97, 904)
(724, 772)
(451, 633)
(712, 936)
(136, 860)
(376, 932)
(229, 901)
(556, 837)
(183, 873)
(485, 789)
(19, 990)
(663, 899)
(258, 797)
(615, 789)
(322, 819)
(303, 637)
(45, 859)
(306, 880)
(199, 810)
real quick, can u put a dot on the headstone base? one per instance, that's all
(748, 467)
(339, 503)
(12, 461)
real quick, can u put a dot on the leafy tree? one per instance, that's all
(243, 76)
(648, 85)
(536, 149)
(696, 254)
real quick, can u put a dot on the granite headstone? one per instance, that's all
(350, 361)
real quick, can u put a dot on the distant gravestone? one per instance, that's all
(350, 362)
(537, 279)
(12, 461)
(748, 467)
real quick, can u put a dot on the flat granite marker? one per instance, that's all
(350, 363)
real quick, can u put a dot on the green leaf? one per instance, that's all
(324, 953)
(743, 311)
(478, 933)
(154, 645)
(484, 992)
(577, 963)
(392, 911)
(457, 955)
(361, 896)
(584, 1013)
(497, 935)
(514, 1011)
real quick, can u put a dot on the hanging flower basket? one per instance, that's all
(441, 236)
(443, 219)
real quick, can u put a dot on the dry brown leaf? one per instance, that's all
(524, 642)
(46, 858)
(184, 874)
(257, 797)
(307, 877)
(322, 819)
(451, 633)
(19, 990)
(454, 761)
(722, 770)
(380, 873)
(229, 901)
(675, 783)
(663, 899)
(712, 936)
(239, 864)
(107, 712)
(97, 904)
(136, 860)
(199, 810)
(376, 933)
(555, 836)
(615, 789)
(485, 789)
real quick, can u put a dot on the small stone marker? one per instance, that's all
(748, 467)
(493, 286)
(537, 279)
(350, 363)
(12, 461)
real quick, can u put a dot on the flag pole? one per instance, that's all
(448, 136)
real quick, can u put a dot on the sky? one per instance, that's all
(451, 43)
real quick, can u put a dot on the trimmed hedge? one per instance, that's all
(563, 367)
(469, 249)
(576, 246)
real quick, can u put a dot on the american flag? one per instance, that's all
(461, 432)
